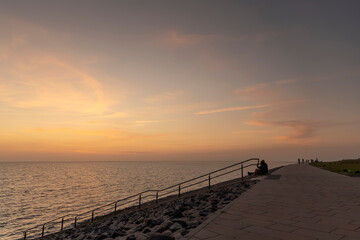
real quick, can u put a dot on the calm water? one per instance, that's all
(33, 193)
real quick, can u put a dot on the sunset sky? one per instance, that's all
(179, 80)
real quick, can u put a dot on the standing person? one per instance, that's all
(298, 160)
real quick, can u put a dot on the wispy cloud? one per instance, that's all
(230, 109)
(180, 39)
(43, 80)
(175, 38)
(117, 115)
(257, 123)
(253, 88)
(241, 108)
(35, 77)
(261, 87)
(54, 84)
(301, 130)
(144, 122)
(13, 43)
(274, 91)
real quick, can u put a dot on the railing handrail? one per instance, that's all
(151, 190)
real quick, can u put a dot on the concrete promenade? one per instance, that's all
(295, 202)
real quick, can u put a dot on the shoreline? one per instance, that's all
(171, 218)
(158, 219)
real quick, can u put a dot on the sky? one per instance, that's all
(179, 80)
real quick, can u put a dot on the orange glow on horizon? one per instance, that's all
(167, 91)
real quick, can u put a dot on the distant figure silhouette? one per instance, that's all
(298, 160)
(303, 161)
(262, 168)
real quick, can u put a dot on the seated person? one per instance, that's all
(262, 169)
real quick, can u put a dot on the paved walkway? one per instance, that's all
(304, 203)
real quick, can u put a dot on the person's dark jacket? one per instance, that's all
(263, 168)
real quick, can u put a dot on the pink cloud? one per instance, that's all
(179, 39)
(174, 38)
(230, 109)
(275, 91)
(300, 130)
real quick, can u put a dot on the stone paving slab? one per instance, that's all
(301, 202)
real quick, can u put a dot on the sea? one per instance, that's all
(32, 193)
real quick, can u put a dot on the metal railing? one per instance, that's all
(72, 220)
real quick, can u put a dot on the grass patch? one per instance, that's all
(350, 167)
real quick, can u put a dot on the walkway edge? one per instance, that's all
(212, 218)
(220, 211)
(209, 220)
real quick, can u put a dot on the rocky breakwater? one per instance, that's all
(168, 220)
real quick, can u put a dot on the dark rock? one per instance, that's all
(177, 214)
(117, 234)
(193, 224)
(214, 208)
(146, 230)
(131, 237)
(204, 213)
(104, 229)
(184, 232)
(182, 207)
(151, 222)
(139, 228)
(140, 220)
(168, 212)
(160, 237)
(164, 226)
(88, 228)
(167, 233)
(129, 226)
(175, 227)
(75, 235)
(181, 222)
(141, 236)
(101, 237)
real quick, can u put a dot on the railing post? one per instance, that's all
(242, 172)
(140, 200)
(62, 224)
(75, 222)
(92, 215)
(24, 235)
(43, 230)
(157, 196)
(209, 181)
(115, 209)
(179, 189)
